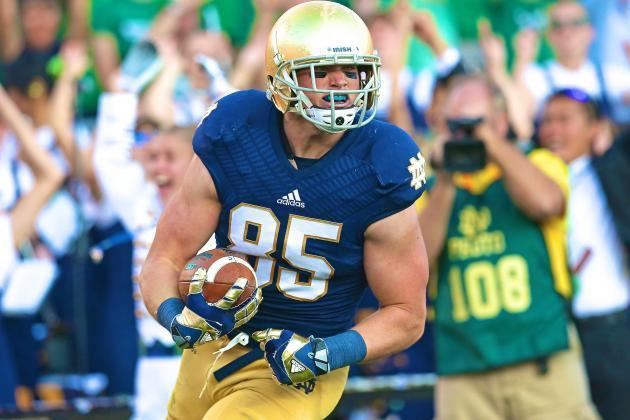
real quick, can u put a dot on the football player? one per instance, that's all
(320, 197)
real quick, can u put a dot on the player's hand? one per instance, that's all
(293, 358)
(201, 322)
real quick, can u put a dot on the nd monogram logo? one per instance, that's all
(416, 169)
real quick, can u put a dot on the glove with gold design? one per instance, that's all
(200, 322)
(293, 359)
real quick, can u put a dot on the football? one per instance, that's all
(218, 269)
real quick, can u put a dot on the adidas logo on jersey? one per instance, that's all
(291, 199)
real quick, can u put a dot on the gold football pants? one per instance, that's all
(248, 393)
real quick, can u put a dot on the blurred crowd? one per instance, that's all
(98, 103)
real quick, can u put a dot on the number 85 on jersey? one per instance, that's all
(254, 230)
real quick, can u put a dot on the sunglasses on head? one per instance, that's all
(574, 23)
(575, 94)
(593, 106)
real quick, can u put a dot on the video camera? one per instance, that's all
(463, 152)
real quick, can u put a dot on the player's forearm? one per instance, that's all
(183, 229)
(158, 282)
(392, 329)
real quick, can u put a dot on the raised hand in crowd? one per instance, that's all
(48, 177)
(425, 28)
(526, 46)
(110, 44)
(391, 33)
(494, 52)
(157, 100)
(173, 20)
(249, 63)
(62, 111)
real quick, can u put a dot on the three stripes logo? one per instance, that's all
(291, 199)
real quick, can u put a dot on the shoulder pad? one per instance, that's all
(399, 167)
(396, 158)
(227, 115)
(232, 111)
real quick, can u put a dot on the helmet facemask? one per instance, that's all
(284, 85)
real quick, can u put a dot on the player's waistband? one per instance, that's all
(240, 362)
(250, 343)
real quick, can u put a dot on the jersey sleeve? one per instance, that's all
(400, 171)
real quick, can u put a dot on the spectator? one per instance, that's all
(612, 32)
(507, 17)
(27, 55)
(496, 238)
(596, 254)
(184, 89)
(18, 224)
(117, 29)
(570, 34)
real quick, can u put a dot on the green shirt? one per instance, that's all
(507, 18)
(127, 21)
(498, 280)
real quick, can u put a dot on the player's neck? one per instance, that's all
(306, 140)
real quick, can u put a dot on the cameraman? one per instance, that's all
(504, 348)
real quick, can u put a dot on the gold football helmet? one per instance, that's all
(322, 33)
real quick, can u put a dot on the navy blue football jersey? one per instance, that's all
(303, 229)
